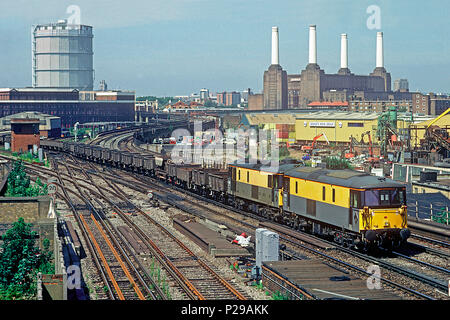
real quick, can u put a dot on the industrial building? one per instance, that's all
(336, 126)
(62, 80)
(49, 126)
(284, 123)
(312, 87)
(282, 90)
(62, 56)
(275, 92)
(71, 105)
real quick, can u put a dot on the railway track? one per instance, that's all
(392, 267)
(125, 280)
(207, 284)
(118, 270)
(419, 278)
(435, 242)
(386, 265)
(199, 279)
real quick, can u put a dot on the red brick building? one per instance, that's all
(24, 134)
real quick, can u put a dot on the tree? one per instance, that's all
(210, 104)
(21, 260)
(19, 184)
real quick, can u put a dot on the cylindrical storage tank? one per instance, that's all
(62, 56)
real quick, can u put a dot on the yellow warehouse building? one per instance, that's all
(336, 126)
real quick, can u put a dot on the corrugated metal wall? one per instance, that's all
(63, 56)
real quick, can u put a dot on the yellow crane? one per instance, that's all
(437, 118)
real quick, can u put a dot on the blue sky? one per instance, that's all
(176, 47)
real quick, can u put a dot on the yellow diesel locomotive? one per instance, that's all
(351, 207)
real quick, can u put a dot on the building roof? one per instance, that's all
(328, 104)
(338, 115)
(110, 92)
(45, 120)
(30, 115)
(445, 120)
(263, 118)
(179, 104)
(25, 121)
(38, 89)
(443, 184)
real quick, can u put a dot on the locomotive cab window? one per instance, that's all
(384, 197)
(398, 196)
(279, 183)
(248, 176)
(355, 199)
(270, 181)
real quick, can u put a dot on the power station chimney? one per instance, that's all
(312, 45)
(344, 51)
(275, 49)
(344, 70)
(380, 62)
(379, 70)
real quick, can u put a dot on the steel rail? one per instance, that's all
(102, 257)
(87, 239)
(182, 245)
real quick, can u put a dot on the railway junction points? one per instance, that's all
(142, 227)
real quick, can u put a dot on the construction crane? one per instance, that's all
(311, 147)
(387, 129)
(351, 153)
(438, 117)
(371, 157)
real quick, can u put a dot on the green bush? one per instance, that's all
(277, 295)
(21, 260)
(440, 216)
(19, 184)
